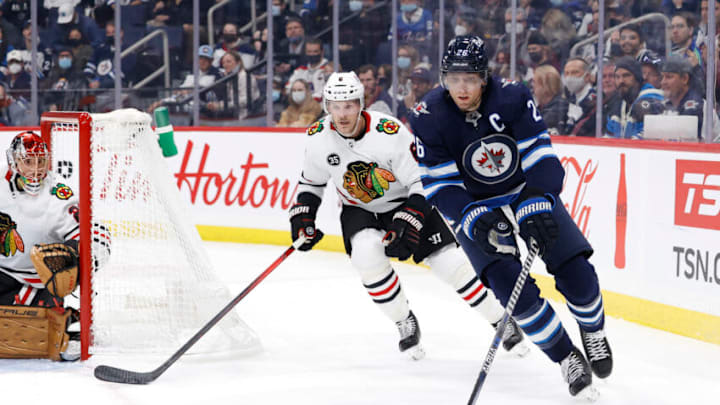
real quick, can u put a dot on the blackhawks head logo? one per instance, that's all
(366, 182)
(10, 240)
(61, 191)
(388, 126)
(315, 128)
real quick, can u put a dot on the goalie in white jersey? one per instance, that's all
(368, 158)
(39, 237)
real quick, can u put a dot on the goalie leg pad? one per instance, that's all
(32, 332)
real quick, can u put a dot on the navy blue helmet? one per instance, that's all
(465, 53)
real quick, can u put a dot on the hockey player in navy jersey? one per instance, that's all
(367, 158)
(488, 166)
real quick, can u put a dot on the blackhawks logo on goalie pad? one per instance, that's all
(10, 240)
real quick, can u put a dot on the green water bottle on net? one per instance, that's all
(165, 132)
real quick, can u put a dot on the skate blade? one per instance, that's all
(416, 352)
(520, 350)
(589, 393)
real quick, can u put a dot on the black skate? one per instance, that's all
(410, 337)
(512, 339)
(576, 372)
(598, 352)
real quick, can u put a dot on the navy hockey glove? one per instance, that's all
(491, 229)
(302, 220)
(403, 235)
(534, 216)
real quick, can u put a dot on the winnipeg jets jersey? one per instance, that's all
(27, 220)
(375, 171)
(487, 155)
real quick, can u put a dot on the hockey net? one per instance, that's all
(152, 286)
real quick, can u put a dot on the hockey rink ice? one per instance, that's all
(326, 343)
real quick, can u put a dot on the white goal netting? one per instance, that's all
(156, 287)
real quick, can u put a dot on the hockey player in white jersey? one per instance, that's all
(39, 238)
(368, 158)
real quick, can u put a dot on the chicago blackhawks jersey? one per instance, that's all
(375, 171)
(27, 220)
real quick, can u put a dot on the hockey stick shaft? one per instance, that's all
(118, 375)
(517, 289)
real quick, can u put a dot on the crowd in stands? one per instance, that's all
(76, 55)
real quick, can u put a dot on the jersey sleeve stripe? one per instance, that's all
(526, 143)
(442, 170)
(539, 153)
(431, 190)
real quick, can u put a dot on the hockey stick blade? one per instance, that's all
(514, 295)
(118, 375)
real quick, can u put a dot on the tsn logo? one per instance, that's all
(697, 194)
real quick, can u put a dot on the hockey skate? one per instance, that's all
(598, 352)
(512, 339)
(410, 337)
(576, 372)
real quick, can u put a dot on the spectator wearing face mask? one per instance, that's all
(315, 70)
(69, 18)
(414, 23)
(407, 57)
(539, 53)
(231, 41)
(17, 79)
(99, 70)
(302, 109)
(521, 36)
(63, 83)
(80, 48)
(290, 50)
(581, 98)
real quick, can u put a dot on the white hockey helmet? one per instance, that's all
(343, 86)
(28, 156)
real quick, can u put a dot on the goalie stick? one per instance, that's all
(519, 283)
(118, 375)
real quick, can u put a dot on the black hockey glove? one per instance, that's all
(534, 216)
(403, 235)
(491, 229)
(302, 220)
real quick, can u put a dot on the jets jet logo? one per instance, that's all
(492, 159)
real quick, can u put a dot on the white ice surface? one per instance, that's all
(326, 343)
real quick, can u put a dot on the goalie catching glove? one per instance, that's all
(57, 266)
(403, 235)
(302, 220)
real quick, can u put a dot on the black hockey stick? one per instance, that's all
(118, 375)
(534, 248)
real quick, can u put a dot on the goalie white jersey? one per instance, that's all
(375, 171)
(27, 220)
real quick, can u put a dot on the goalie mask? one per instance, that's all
(29, 158)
